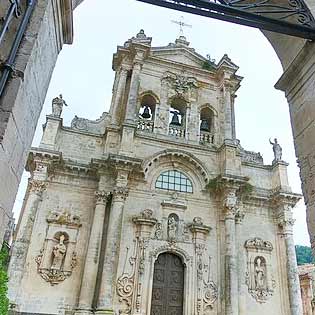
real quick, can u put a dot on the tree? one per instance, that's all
(303, 255)
(4, 301)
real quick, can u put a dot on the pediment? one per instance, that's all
(180, 55)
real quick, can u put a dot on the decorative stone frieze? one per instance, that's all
(258, 244)
(64, 218)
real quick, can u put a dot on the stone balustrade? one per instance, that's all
(206, 137)
(145, 125)
(176, 131)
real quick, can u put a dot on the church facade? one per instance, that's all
(155, 208)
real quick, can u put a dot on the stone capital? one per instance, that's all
(102, 196)
(37, 186)
(120, 193)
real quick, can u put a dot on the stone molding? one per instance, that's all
(174, 155)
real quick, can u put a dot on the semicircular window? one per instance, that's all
(174, 180)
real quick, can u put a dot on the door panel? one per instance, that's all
(168, 286)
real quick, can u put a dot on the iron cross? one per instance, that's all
(181, 24)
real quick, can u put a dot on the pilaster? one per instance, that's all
(241, 267)
(36, 187)
(230, 205)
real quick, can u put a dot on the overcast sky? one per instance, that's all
(84, 76)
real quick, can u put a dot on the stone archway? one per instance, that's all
(51, 27)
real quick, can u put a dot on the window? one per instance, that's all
(174, 180)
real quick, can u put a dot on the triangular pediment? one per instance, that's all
(182, 55)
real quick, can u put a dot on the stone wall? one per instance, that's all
(24, 95)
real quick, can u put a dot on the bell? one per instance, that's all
(175, 119)
(204, 125)
(146, 113)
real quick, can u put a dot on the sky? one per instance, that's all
(84, 75)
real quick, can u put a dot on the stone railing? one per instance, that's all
(145, 125)
(176, 131)
(206, 137)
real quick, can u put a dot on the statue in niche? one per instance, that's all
(277, 150)
(260, 274)
(172, 227)
(57, 105)
(58, 253)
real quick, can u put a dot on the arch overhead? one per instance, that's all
(149, 93)
(181, 253)
(181, 158)
(210, 107)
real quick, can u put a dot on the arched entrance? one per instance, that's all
(168, 285)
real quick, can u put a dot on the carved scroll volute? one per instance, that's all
(145, 223)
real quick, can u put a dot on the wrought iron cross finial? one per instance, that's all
(181, 24)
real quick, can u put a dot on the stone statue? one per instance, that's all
(57, 105)
(277, 150)
(172, 228)
(259, 274)
(59, 252)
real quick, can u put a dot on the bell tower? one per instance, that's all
(171, 92)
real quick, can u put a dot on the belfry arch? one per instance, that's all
(25, 93)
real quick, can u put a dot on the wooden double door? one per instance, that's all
(168, 286)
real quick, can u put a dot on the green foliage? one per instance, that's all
(207, 66)
(216, 185)
(4, 302)
(303, 255)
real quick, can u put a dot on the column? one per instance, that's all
(292, 270)
(228, 128)
(131, 109)
(231, 278)
(93, 255)
(241, 263)
(109, 275)
(21, 244)
(118, 97)
(284, 202)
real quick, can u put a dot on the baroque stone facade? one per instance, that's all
(155, 208)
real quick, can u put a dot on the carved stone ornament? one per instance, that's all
(258, 244)
(37, 186)
(181, 84)
(56, 271)
(102, 196)
(64, 218)
(79, 123)
(259, 277)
